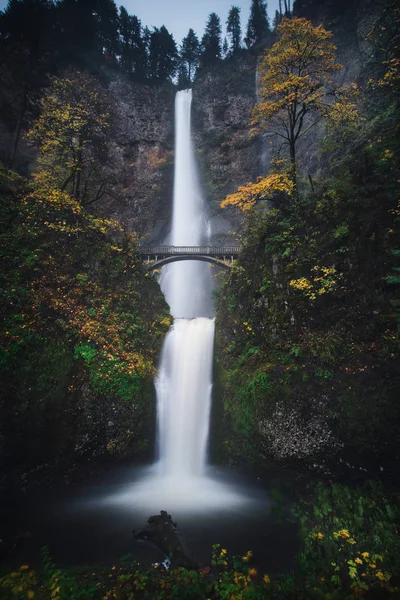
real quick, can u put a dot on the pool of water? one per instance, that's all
(93, 523)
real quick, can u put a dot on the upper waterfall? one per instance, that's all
(187, 286)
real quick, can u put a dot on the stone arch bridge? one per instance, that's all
(155, 257)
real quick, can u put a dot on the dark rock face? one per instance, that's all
(143, 154)
(223, 99)
(47, 439)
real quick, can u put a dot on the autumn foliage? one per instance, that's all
(296, 76)
(246, 196)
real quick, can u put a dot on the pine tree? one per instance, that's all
(183, 76)
(234, 29)
(163, 55)
(225, 48)
(88, 31)
(133, 57)
(28, 57)
(211, 41)
(277, 19)
(190, 52)
(106, 16)
(257, 26)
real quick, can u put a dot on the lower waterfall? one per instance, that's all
(184, 397)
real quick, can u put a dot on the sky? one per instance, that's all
(179, 15)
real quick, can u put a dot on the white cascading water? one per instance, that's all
(178, 481)
(184, 382)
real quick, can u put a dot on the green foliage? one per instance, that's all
(234, 29)
(312, 302)
(190, 53)
(80, 312)
(350, 539)
(72, 136)
(211, 42)
(163, 55)
(257, 26)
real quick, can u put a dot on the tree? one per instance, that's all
(277, 19)
(257, 26)
(163, 55)
(72, 136)
(106, 16)
(211, 41)
(88, 31)
(27, 57)
(234, 29)
(133, 57)
(183, 77)
(295, 82)
(190, 52)
(225, 48)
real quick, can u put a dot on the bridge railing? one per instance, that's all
(171, 250)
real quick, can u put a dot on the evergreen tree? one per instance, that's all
(88, 31)
(163, 55)
(27, 57)
(277, 19)
(106, 17)
(133, 57)
(257, 26)
(190, 53)
(211, 41)
(183, 76)
(234, 29)
(225, 48)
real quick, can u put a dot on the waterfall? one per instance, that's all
(179, 481)
(184, 382)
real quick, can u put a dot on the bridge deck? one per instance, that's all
(192, 250)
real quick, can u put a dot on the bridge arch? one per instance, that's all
(158, 256)
(178, 258)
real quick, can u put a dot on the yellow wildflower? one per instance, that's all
(358, 560)
(266, 579)
(365, 554)
(223, 551)
(247, 556)
(252, 572)
(24, 567)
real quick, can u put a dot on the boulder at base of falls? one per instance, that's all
(163, 532)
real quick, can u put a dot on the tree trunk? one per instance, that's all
(292, 148)
(17, 132)
(79, 156)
